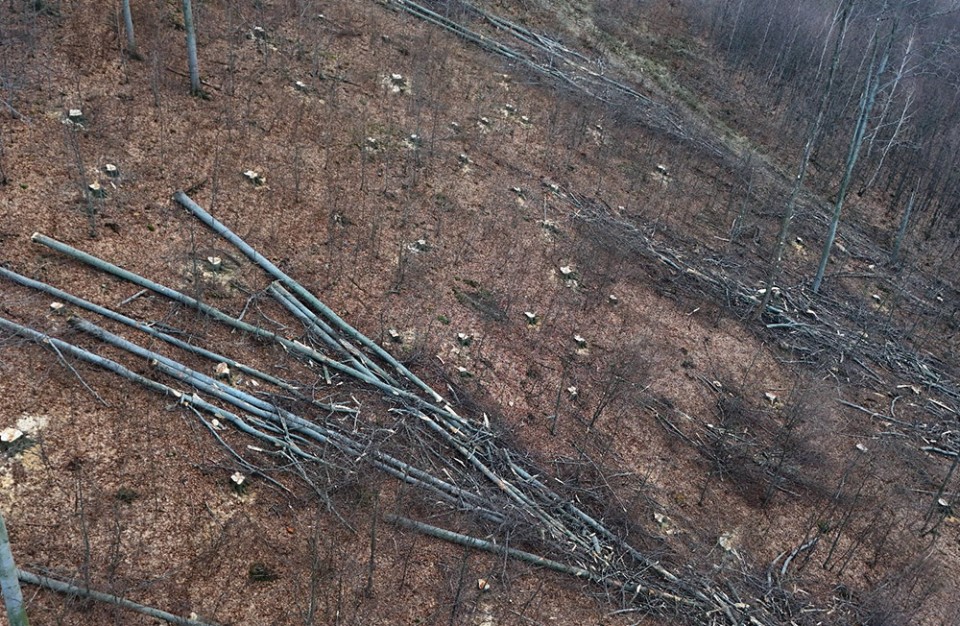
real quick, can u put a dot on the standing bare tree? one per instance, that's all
(903, 118)
(191, 47)
(904, 224)
(843, 16)
(867, 98)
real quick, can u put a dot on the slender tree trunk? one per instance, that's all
(823, 53)
(75, 591)
(737, 226)
(867, 98)
(763, 44)
(844, 16)
(3, 172)
(372, 563)
(904, 116)
(128, 26)
(191, 47)
(888, 101)
(736, 24)
(904, 222)
(9, 583)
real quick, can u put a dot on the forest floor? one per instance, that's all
(421, 185)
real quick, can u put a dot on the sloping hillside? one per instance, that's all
(558, 217)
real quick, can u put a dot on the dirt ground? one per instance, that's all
(437, 203)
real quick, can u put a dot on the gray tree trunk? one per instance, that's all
(191, 47)
(9, 583)
(904, 116)
(867, 98)
(84, 592)
(843, 15)
(904, 223)
(128, 26)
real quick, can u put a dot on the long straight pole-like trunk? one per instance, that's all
(904, 223)
(891, 90)
(128, 26)
(191, 47)
(85, 592)
(9, 583)
(815, 129)
(867, 99)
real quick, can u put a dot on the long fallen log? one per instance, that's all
(174, 341)
(216, 314)
(266, 411)
(83, 592)
(219, 228)
(528, 557)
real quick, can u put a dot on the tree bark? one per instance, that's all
(74, 590)
(904, 222)
(9, 584)
(128, 26)
(191, 47)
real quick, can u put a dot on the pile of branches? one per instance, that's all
(826, 330)
(541, 54)
(470, 470)
(569, 69)
(813, 328)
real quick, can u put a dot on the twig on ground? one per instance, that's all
(66, 364)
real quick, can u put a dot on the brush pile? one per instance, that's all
(460, 463)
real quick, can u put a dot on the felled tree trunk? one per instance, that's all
(9, 584)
